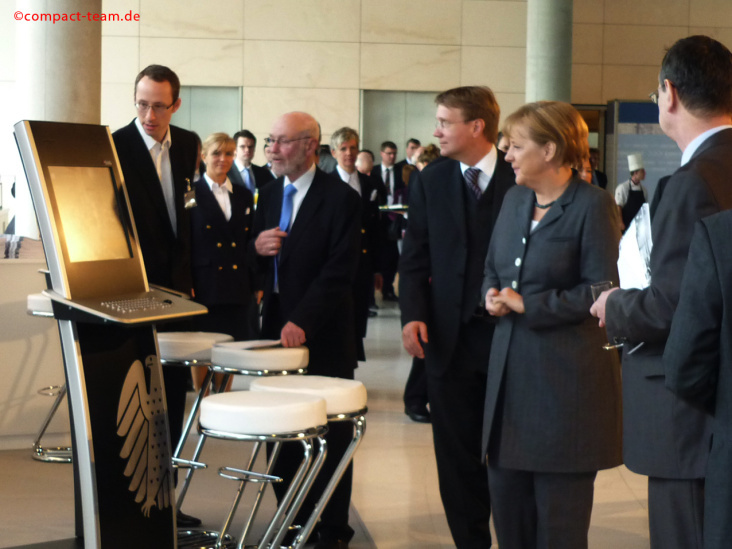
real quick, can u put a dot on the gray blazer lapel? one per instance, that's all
(557, 210)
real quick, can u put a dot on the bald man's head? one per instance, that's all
(294, 142)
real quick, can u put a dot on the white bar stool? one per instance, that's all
(345, 401)
(40, 305)
(275, 417)
(251, 358)
(189, 349)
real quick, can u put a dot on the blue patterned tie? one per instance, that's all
(285, 219)
(471, 178)
(248, 179)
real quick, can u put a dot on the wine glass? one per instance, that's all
(597, 289)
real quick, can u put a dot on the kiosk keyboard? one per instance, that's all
(147, 303)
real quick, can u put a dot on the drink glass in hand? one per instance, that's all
(597, 289)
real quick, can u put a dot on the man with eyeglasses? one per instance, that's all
(453, 205)
(158, 161)
(664, 437)
(307, 235)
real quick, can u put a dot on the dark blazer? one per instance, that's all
(317, 267)
(435, 253)
(220, 258)
(698, 361)
(662, 435)
(262, 176)
(600, 178)
(549, 377)
(399, 187)
(167, 254)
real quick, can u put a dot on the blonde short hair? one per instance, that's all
(553, 122)
(217, 140)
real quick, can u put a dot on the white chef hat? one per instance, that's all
(635, 162)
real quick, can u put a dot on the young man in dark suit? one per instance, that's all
(158, 161)
(391, 223)
(310, 262)
(664, 437)
(441, 271)
(243, 172)
(344, 147)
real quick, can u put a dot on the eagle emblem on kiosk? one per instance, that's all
(141, 422)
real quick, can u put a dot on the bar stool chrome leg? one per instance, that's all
(58, 454)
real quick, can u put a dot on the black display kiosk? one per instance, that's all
(125, 495)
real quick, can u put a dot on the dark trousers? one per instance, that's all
(456, 402)
(389, 265)
(415, 391)
(541, 510)
(676, 513)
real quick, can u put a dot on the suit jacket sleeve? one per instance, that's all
(335, 281)
(692, 354)
(645, 315)
(415, 261)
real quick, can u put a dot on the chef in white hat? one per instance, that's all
(631, 195)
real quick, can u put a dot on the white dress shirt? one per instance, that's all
(221, 193)
(486, 165)
(350, 178)
(303, 185)
(160, 154)
(698, 140)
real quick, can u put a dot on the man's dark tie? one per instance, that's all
(471, 178)
(285, 218)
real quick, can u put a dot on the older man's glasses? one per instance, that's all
(281, 141)
(158, 109)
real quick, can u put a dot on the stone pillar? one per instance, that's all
(549, 50)
(59, 65)
(58, 78)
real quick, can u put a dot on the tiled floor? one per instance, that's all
(395, 484)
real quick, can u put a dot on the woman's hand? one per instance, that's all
(494, 303)
(503, 302)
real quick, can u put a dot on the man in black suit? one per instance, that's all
(664, 437)
(698, 358)
(441, 271)
(344, 147)
(412, 145)
(310, 264)
(158, 161)
(243, 172)
(391, 223)
(599, 179)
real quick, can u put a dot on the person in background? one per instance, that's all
(599, 179)
(631, 194)
(365, 162)
(244, 172)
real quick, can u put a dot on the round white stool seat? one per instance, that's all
(259, 413)
(248, 355)
(39, 304)
(189, 346)
(341, 395)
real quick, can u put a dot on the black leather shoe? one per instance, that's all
(420, 414)
(186, 521)
(391, 297)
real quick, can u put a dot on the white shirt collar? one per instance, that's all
(692, 147)
(303, 182)
(239, 166)
(486, 165)
(211, 183)
(149, 141)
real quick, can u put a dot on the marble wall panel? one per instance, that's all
(331, 108)
(502, 69)
(491, 23)
(121, 28)
(712, 13)
(409, 67)
(301, 64)
(192, 19)
(661, 13)
(120, 59)
(636, 45)
(589, 11)
(509, 103)
(586, 83)
(400, 22)
(118, 107)
(723, 34)
(628, 82)
(587, 43)
(303, 20)
(197, 62)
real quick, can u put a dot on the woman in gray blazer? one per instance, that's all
(552, 414)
